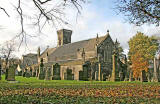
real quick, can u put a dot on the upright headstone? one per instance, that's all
(95, 75)
(48, 74)
(155, 73)
(24, 72)
(80, 75)
(149, 76)
(56, 72)
(37, 72)
(99, 71)
(41, 75)
(27, 75)
(34, 73)
(11, 73)
(70, 76)
(102, 77)
(158, 67)
(143, 76)
(113, 77)
(108, 78)
(121, 76)
(85, 72)
(130, 75)
(0, 68)
(51, 77)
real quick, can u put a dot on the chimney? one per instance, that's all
(64, 36)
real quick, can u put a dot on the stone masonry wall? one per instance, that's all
(75, 70)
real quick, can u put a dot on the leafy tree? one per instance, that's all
(139, 64)
(140, 11)
(141, 49)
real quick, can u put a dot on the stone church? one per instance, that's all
(92, 57)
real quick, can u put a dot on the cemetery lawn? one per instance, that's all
(33, 91)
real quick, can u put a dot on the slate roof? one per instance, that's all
(49, 50)
(30, 55)
(70, 50)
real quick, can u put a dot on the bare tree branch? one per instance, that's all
(43, 2)
(5, 11)
(142, 8)
(140, 11)
(46, 12)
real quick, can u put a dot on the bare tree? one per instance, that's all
(140, 11)
(6, 52)
(43, 12)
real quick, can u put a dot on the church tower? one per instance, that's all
(64, 36)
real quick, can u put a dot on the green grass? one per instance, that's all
(24, 84)
(35, 82)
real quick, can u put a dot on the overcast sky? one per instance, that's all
(97, 16)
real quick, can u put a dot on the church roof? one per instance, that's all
(69, 51)
(30, 54)
(49, 50)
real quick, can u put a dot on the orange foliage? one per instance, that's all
(131, 90)
(138, 64)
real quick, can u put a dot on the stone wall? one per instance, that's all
(105, 50)
(75, 70)
(88, 54)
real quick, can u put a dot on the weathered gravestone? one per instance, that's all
(143, 76)
(158, 67)
(34, 73)
(30, 71)
(130, 75)
(108, 78)
(41, 75)
(48, 74)
(27, 75)
(155, 73)
(96, 75)
(127, 74)
(113, 77)
(11, 73)
(149, 76)
(99, 71)
(68, 75)
(24, 72)
(37, 72)
(80, 75)
(20, 73)
(0, 68)
(86, 72)
(121, 76)
(56, 72)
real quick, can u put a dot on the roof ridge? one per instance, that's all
(82, 40)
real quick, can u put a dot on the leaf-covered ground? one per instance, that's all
(33, 91)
